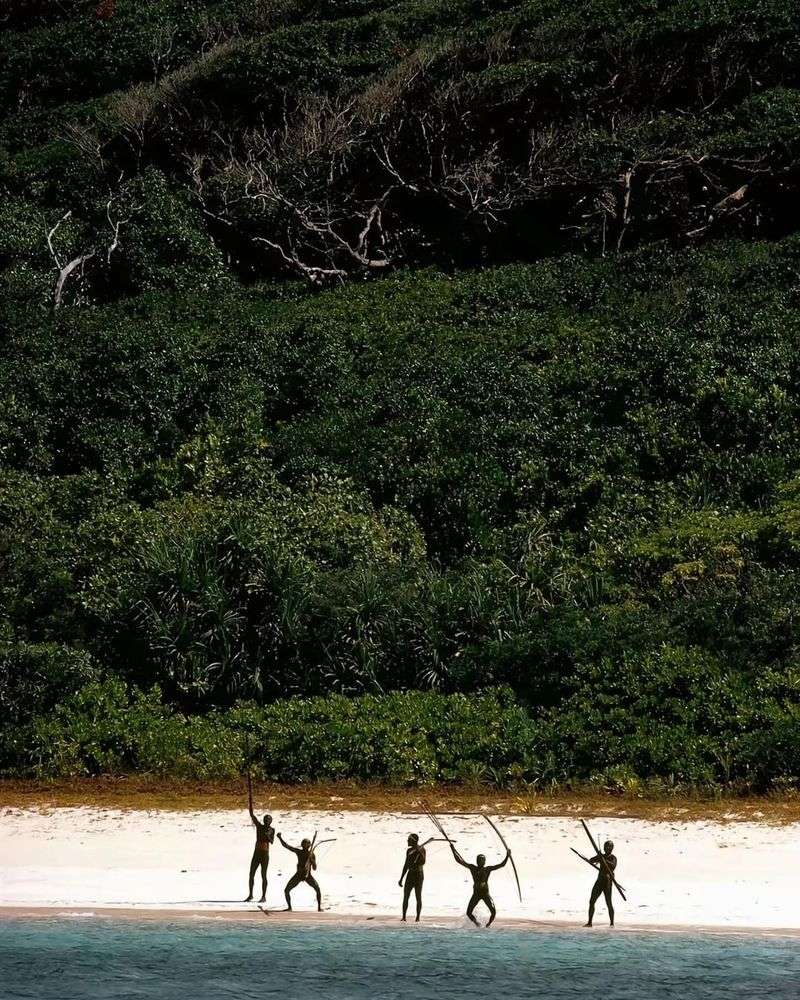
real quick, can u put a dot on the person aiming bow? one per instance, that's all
(413, 873)
(606, 864)
(480, 883)
(306, 863)
(265, 836)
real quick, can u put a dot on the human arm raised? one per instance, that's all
(502, 864)
(294, 850)
(458, 858)
(250, 800)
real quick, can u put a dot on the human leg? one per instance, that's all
(607, 892)
(293, 882)
(407, 886)
(597, 888)
(254, 861)
(315, 886)
(264, 865)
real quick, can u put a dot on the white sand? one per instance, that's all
(695, 873)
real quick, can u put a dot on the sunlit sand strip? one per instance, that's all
(719, 877)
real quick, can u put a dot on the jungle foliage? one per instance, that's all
(522, 507)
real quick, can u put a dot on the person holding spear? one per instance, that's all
(606, 864)
(265, 836)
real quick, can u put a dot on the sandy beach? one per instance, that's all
(700, 874)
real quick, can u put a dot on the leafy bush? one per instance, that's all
(553, 450)
(425, 738)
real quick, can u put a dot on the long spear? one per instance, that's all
(249, 777)
(603, 861)
(441, 840)
(588, 862)
(510, 856)
(435, 820)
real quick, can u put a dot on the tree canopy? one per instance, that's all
(358, 350)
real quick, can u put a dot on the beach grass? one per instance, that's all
(141, 792)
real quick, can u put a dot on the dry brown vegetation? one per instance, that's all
(145, 793)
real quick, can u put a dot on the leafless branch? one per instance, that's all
(77, 263)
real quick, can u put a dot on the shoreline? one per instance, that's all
(384, 920)
(699, 876)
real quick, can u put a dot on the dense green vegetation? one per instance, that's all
(522, 507)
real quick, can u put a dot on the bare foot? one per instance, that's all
(249, 899)
(587, 925)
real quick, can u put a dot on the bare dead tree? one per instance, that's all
(287, 182)
(77, 264)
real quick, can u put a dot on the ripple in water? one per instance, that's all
(98, 960)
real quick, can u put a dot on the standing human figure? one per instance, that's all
(306, 863)
(480, 883)
(265, 835)
(606, 864)
(413, 873)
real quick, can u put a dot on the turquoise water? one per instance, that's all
(99, 959)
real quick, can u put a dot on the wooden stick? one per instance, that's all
(588, 862)
(510, 856)
(603, 862)
(435, 820)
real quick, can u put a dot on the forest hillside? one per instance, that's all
(402, 391)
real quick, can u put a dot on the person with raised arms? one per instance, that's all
(306, 864)
(480, 872)
(265, 836)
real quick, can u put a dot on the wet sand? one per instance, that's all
(311, 918)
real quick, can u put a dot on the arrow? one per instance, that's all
(603, 861)
(588, 862)
(432, 817)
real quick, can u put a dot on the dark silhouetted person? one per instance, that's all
(265, 835)
(480, 883)
(306, 863)
(413, 873)
(606, 865)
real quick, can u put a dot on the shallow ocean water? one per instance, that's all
(96, 959)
